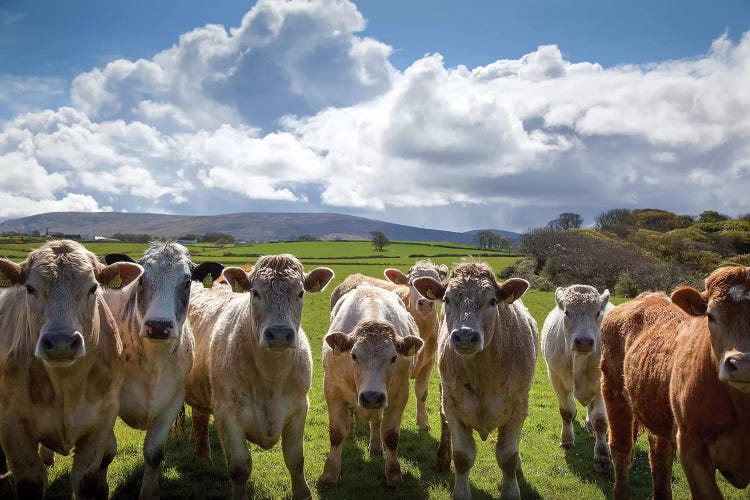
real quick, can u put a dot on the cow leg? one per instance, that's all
(338, 423)
(153, 447)
(421, 384)
(93, 454)
(291, 445)
(47, 455)
(622, 428)
(199, 435)
(443, 463)
(239, 463)
(660, 458)
(391, 431)
(699, 470)
(567, 406)
(23, 461)
(597, 417)
(376, 443)
(506, 453)
(464, 454)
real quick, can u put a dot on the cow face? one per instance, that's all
(726, 307)
(418, 304)
(583, 310)
(278, 284)
(163, 292)
(62, 282)
(471, 299)
(374, 348)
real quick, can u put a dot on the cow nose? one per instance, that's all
(424, 304)
(466, 338)
(737, 367)
(61, 345)
(372, 399)
(159, 328)
(280, 337)
(583, 344)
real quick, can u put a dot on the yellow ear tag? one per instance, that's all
(115, 282)
(236, 288)
(336, 349)
(510, 298)
(208, 281)
(431, 294)
(4, 281)
(412, 351)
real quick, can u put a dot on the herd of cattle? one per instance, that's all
(83, 342)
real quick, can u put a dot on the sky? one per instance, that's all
(448, 115)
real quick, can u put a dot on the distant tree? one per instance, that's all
(379, 239)
(132, 237)
(306, 237)
(220, 238)
(712, 216)
(659, 220)
(190, 236)
(615, 220)
(482, 239)
(745, 217)
(503, 243)
(567, 220)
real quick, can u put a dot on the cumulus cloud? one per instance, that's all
(294, 110)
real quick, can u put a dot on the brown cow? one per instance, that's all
(681, 369)
(253, 366)
(422, 309)
(60, 366)
(372, 327)
(487, 352)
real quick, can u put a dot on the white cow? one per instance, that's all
(571, 345)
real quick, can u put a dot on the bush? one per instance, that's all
(626, 286)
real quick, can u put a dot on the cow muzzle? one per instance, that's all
(60, 348)
(735, 370)
(466, 341)
(583, 345)
(279, 337)
(372, 400)
(425, 305)
(159, 329)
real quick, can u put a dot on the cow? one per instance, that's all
(157, 345)
(680, 367)
(422, 309)
(367, 357)
(487, 348)
(571, 346)
(60, 365)
(253, 366)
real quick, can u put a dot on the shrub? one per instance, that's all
(626, 285)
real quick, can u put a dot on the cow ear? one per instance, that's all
(409, 345)
(119, 274)
(512, 290)
(202, 271)
(559, 293)
(111, 258)
(339, 342)
(396, 276)
(604, 299)
(690, 300)
(429, 288)
(237, 279)
(12, 273)
(317, 279)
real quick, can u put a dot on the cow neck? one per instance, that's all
(427, 325)
(69, 386)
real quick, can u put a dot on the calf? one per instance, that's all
(681, 369)
(253, 366)
(157, 345)
(422, 309)
(60, 366)
(486, 356)
(372, 326)
(571, 345)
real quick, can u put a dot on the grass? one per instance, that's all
(550, 472)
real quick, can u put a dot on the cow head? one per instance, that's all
(471, 298)
(163, 292)
(277, 284)
(726, 306)
(374, 348)
(418, 304)
(583, 310)
(62, 281)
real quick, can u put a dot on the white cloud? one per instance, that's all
(293, 109)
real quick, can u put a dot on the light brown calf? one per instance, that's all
(487, 352)
(60, 366)
(253, 366)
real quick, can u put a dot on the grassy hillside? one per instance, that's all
(550, 472)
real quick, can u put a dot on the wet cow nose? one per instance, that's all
(425, 304)
(159, 328)
(372, 399)
(465, 338)
(280, 336)
(583, 344)
(61, 345)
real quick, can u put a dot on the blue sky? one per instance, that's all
(479, 114)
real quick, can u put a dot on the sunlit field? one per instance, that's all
(550, 472)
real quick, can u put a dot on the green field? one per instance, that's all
(550, 472)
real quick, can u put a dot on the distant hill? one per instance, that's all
(244, 227)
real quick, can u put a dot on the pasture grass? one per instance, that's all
(549, 472)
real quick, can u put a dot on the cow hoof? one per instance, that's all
(376, 452)
(328, 479)
(567, 446)
(601, 466)
(425, 427)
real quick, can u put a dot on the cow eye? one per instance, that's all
(93, 289)
(393, 359)
(710, 317)
(187, 284)
(301, 294)
(354, 357)
(445, 300)
(256, 294)
(493, 302)
(30, 290)
(567, 313)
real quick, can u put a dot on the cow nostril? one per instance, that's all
(76, 343)
(731, 365)
(475, 338)
(47, 344)
(290, 337)
(456, 337)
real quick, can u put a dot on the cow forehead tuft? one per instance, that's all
(580, 296)
(375, 329)
(52, 258)
(729, 282)
(424, 268)
(467, 272)
(275, 267)
(164, 253)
